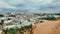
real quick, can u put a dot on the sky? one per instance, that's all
(34, 6)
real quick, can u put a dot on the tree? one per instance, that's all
(49, 17)
(1, 15)
(8, 19)
(5, 31)
(21, 30)
(2, 22)
(11, 15)
(31, 29)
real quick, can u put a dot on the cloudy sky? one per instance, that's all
(35, 6)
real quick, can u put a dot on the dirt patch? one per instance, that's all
(50, 27)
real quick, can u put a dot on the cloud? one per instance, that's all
(5, 5)
(40, 6)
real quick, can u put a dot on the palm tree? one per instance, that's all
(1, 23)
(5, 31)
(21, 30)
(31, 29)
